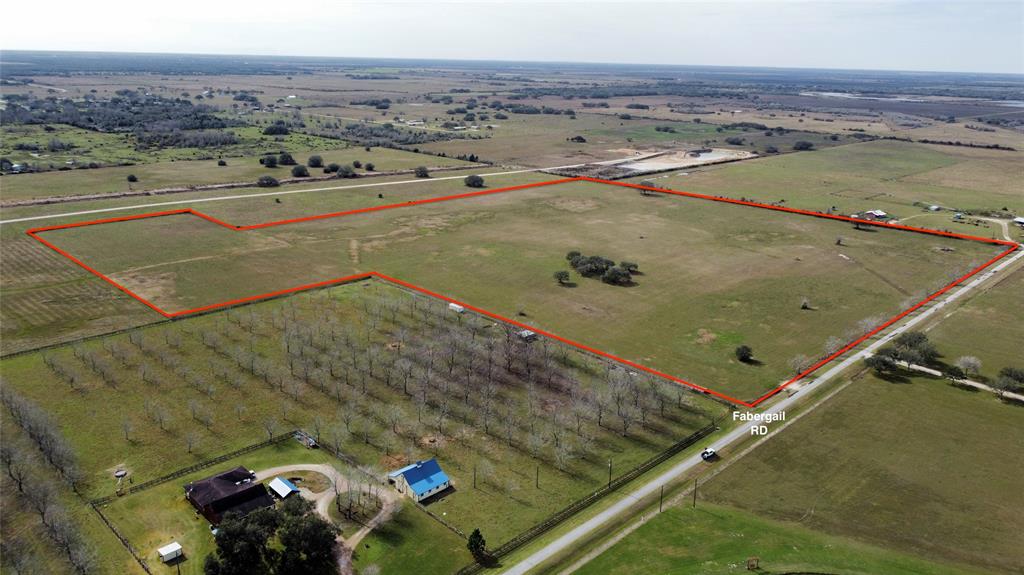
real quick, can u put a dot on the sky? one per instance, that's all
(926, 35)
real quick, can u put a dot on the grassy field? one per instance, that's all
(716, 539)
(898, 177)
(46, 301)
(713, 273)
(919, 467)
(220, 410)
(999, 307)
(166, 174)
(109, 148)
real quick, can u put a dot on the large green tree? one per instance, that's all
(281, 540)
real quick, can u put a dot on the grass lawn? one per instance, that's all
(919, 467)
(716, 539)
(412, 538)
(715, 275)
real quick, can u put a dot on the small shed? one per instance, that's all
(282, 488)
(456, 308)
(170, 551)
(1019, 221)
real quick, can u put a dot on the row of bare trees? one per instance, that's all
(25, 466)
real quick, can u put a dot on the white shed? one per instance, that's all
(170, 551)
(456, 308)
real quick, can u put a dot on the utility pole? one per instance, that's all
(694, 492)
(609, 472)
(661, 502)
(474, 476)
(536, 481)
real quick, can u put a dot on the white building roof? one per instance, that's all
(169, 549)
(282, 487)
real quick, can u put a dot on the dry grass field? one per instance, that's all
(714, 275)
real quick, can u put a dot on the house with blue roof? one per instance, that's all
(420, 480)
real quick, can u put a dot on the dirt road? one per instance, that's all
(323, 500)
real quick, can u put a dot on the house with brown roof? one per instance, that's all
(234, 491)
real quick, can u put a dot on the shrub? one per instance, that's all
(276, 129)
(357, 164)
(315, 162)
(744, 353)
(132, 178)
(269, 161)
(332, 168)
(422, 172)
(221, 163)
(803, 145)
(300, 172)
(267, 182)
(286, 159)
(369, 166)
(346, 171)
(616, 275)
(474, 181)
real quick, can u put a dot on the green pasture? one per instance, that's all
(716, 539)
(915, 465)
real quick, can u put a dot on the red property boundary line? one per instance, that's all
(35, 234)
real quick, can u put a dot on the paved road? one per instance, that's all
(572, 537)
(275, 193)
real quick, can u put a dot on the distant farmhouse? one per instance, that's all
(420, 480)
(235, 491)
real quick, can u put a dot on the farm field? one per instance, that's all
(889, 464)
(248, 311)
(898, 177)
(712, 272)
(717, 539)
(958, 334)
(46, 301)
(400, 390)
(159, 175)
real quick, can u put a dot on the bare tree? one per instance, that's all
(269, 425)
(800, 363)
(969, 364)
(191, 440)
(127, 427)
(16, 463)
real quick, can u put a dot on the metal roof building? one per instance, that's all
(420, 480)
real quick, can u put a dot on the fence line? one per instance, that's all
(127, 545)
(186, 470)
(579, 505)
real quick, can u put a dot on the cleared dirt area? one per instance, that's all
(685, 159)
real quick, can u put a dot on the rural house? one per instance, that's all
(234, 491)
(420, 480)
